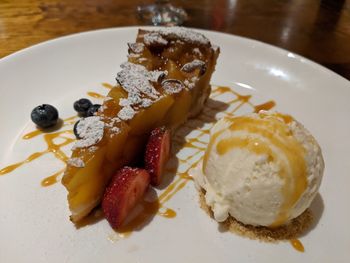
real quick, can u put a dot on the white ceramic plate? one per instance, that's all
(34, 223)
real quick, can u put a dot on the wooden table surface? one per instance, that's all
(316, 29)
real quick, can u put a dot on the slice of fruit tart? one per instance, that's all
(164, 82)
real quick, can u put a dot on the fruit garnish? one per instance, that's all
(44, 116)
(93, 108)
(82, 106)
(123, 193)
(157, 153)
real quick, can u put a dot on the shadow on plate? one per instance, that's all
(317, 208)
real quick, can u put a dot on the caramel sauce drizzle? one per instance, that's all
(265, 106)
(52, 147)
(148, 209)
(96, 95)
(52, 179)
(66, 122)
(107, 85)
(279, 136)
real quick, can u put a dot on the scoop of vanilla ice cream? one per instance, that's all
(263, 169)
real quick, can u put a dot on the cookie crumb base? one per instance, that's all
(293, 230)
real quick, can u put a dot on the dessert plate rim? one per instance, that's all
(203, 31)
(298, 78)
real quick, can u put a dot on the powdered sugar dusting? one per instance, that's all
(142, 59)
(154, 39)
(172, 86)
(90, 130)
(115, 130)
(146, 103)
(111, 124)
(197, 51)
(126, 113)
(185, 34)
(93, 149)
(194, 79)
(133, 55)
(76, 162)
(135, 79)
(188, 84)
(191, 83)
(136, 47)
(157, 75)
(194, 64)
(215, 48)
(133, 99)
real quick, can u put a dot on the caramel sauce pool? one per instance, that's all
(265, 106)
(297, 245)
(52, 179)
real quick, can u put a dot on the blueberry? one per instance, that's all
(44, 115)
(94, 108)
(82, 106)
(75, 130)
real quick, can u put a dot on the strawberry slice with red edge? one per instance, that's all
(157, 153)
(125, 190)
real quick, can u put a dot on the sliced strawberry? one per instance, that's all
(123, 193)
(157, 153)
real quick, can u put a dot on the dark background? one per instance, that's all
(316, 29)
